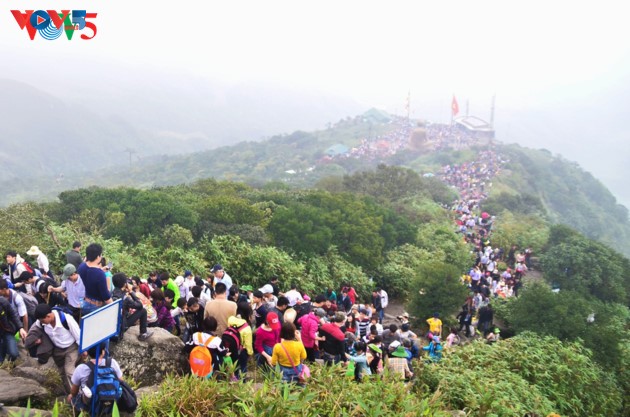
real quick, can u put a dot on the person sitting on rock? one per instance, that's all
(123, 291)
(165, 320)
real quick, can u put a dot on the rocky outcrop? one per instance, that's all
(19, 411)
(149, 362)
(146, 362)
(48, 377)
(15, 389)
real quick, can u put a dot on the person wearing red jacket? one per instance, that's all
(333, 344)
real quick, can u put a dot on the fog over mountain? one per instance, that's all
(559, 73)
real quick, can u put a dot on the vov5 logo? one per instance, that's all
(51, 24)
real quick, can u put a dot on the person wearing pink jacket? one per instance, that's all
(310, 325)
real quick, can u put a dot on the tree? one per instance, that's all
(436, 288)
(588, 267)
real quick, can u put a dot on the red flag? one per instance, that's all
(454, 106)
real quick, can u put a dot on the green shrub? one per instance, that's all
(527, 373)
(328, 393)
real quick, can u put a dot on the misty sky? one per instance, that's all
(559, 69)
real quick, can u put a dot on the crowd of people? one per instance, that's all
(279, 330)
(443, 136)
(225, 322)
(473, 180)
(381, 146)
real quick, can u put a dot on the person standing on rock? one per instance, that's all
(384, 304)
(96, 290)
(9, 325)
(73, 256)
(221, 277)
(42, 260)
(64, 333)
(220, 308)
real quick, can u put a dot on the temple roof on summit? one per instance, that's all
(474, 123)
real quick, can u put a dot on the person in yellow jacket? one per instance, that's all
(239, 330)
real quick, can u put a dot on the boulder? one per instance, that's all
(149, 362)
(46, 376)
(14, 389)
(19, 411)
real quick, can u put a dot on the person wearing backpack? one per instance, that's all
(123, 291)
(64, 333)
(104, 391)
(237, 338)
(205, 349)
(17, 302)
(9, 325)
(17, 265)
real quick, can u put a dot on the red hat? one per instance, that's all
(273, 321)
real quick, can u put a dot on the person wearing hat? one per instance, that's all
(269, 298)
(42, 260)
(435, 349)
(267, 335)
(184, 291)
(72, 288)
(397, 362)
(221, 276)
(404, 318)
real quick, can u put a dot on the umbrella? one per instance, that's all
(484, 215)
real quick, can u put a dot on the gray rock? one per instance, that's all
(48, 377)
(141, 392)
(19, 411)
(4, 374)
(150, 361)
(15, 389)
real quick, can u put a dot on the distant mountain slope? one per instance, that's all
(45, 136)
(568, 194)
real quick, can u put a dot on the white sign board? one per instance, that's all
(100, 325)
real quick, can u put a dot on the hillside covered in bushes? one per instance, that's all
(389, 227)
